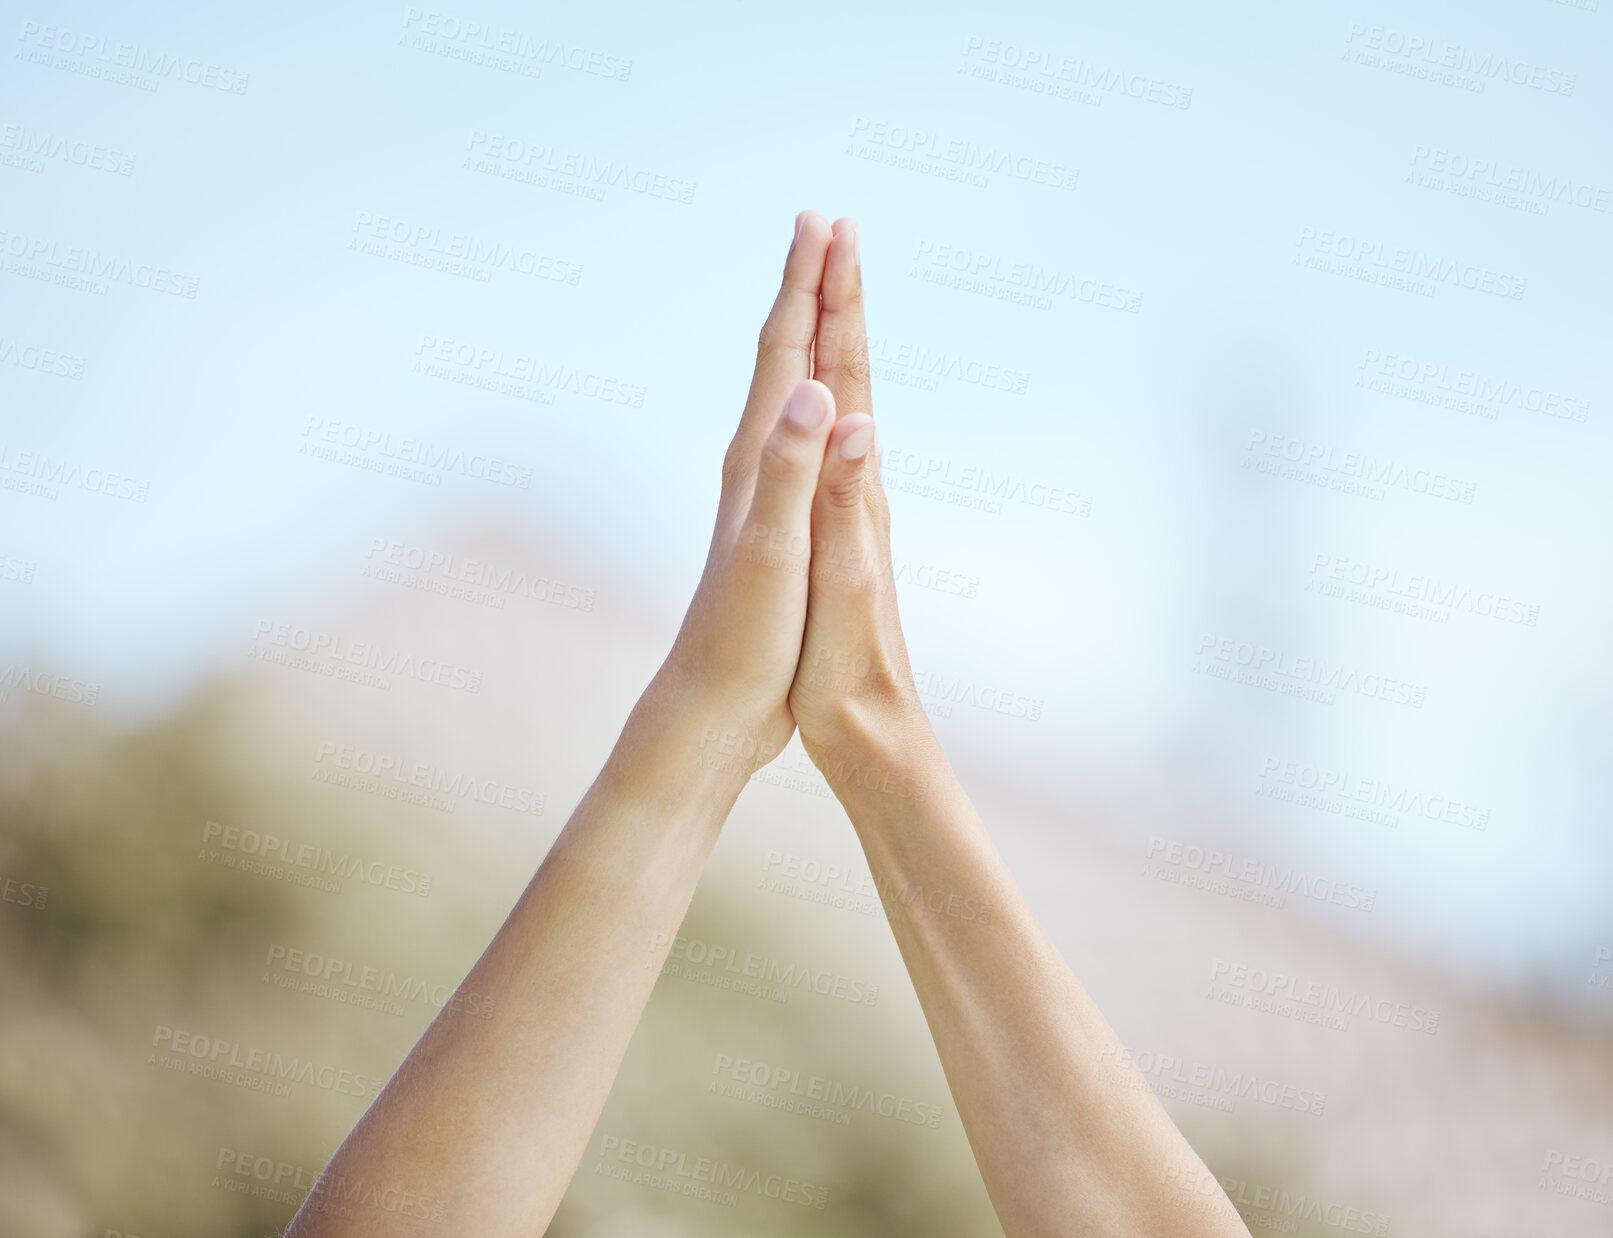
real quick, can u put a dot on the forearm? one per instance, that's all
(488, 1117)
(1068, 1137)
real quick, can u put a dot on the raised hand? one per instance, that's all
(1066, 1145)
(853, 689)
(487, 1119)
(794, 621)
(736, 654)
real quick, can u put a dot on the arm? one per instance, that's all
(1068, 1137)
(483, 1125)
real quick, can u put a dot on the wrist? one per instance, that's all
(679, 753)
(877, 758)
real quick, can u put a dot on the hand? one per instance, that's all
(736, 653)
(853, 695)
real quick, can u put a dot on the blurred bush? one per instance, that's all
(120, 922)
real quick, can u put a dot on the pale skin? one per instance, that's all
(793, 625)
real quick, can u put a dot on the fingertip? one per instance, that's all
(813, 224)
(842, 269)
(852, 436)
(810, 406)
(821, 387)
(809, 251)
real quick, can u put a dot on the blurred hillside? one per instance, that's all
(150, 921)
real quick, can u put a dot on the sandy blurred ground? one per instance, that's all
(164, 928)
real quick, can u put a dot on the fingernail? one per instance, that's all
(856, 245)
(807, 406)
(855, 445)
(800, 215)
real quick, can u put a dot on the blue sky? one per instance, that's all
(1221, 204)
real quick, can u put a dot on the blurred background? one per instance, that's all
(1242, 379)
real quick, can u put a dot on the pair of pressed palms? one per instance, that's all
(794, 624)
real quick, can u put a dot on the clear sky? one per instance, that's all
(1230, 312)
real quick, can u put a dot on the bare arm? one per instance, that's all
(483, 1125)
(1068, 1137)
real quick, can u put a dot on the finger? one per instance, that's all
(784, 348)
(843, 552)
(777, 532)
(841, 356)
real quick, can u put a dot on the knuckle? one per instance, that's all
(880, 508)
(735, 468)
(836, 337)
(780, 460)
(775, 337)
(844, 492)
(854, 361)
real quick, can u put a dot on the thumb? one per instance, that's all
(842, 550)
(779, 523)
